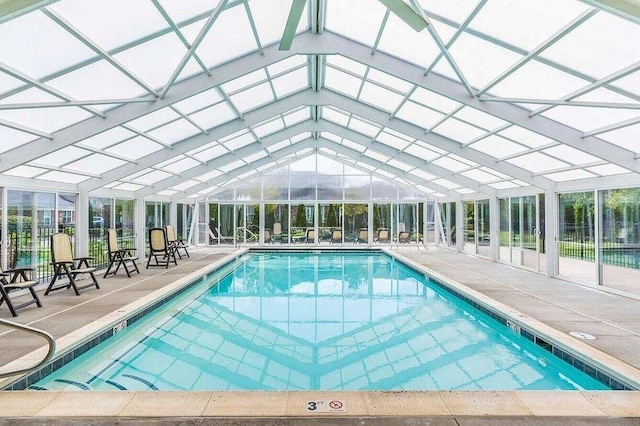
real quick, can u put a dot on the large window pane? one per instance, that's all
(356, 222)
(124, 222)
(576, 239)
(484, 239)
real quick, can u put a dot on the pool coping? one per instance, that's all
(170, 404)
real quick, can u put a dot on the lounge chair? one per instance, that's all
(266, 235)
(17, 280)
(64, 264)
(383, 236)
(215, 237)
(276, 235)
(175, 243)
(159, 249)
(119, 257)
(310, 237)
(336, 236)
(363, 236)
(403, 237)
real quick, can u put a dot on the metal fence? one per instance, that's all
(625, 255)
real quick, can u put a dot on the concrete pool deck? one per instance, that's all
(614, 321)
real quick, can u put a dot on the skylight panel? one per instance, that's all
(356, 19)
(152, 177)
(504, 185)
(107, 138)
(155, 61)
(587, 118)
(422, 152)
(479, 175)
(418, 115)
(199, 101)
(400, 40)
(45, 119)
(377, 156)
(400, 165)
(231, 166)
(244, 81)
(239, 141)
(170, 161)
(450, 164)
(24, 171)
(218, 47)
(291, 82)
(479, 118)
(253, 97)
(300, 137)
(631, 83)
(96, 163)
(608, 170)
(511, 21)
(456, 11)
(209, 176)
(254, 157)
(154, 119)
(181, 11)
(268, 127)
(365, 166)
(297, 116)
(335, 116)
(497, 146)
(288, 64)
(270, 18)
(526, 137)
(278, 146)
(446, 183)
(346, 64)
(385, 174)
(8, 83)
(342, 82)
(99, 80)
(214, 116)
(380, 97)
(211, 153)
(537, 162)
(433, 100)
(166, 193)
(538, 81)
(135, 148)
(458, 130)
(388, 80)
(62, 177)
(363, 126)
(332, 137)
(12, 138)
(181, 166)
(174, 132)
(570, 175)
(570, 155)
(392, 140)
(127, 186)
(185, 185)
(52, 50)
(626, 137)
(422, 174)
(597, 47)
(479, 60)
(62, 156)
(353, 145)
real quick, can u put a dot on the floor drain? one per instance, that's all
(581, 335)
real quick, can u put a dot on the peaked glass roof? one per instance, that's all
(178, 99)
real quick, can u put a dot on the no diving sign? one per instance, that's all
(324, 406)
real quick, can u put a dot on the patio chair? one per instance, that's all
(175, 243)
(119, 257)
(403, 237)
(215, 237)
(266, 235)
(159, 249)
(336, 236)
(310, 236)
(17, 280)
(363, 236)
(65, 265)
(383, 236)
(276, 235)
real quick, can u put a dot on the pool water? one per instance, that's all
(318, 320)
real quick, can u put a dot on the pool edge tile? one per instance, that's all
(558, 404)
(166, 404)
(79, 403)
(246, 404)
(615, 403)
(484, 403)
(406, 403)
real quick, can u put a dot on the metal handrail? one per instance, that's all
(48, 337)
(245, 229)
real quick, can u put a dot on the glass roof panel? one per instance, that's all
(377, 156)
(181, 11)
(107, 138)
(626, 137)
(209, 175)
(352, 145)
(54, 50)
(24, 171)
(589, 118)
(8, 83)
(379, 97)
(199, 101)
(510, 21)
(537, 162)
(166, 193)
(291, 82)
(271, 17)
(253, 157)
(433, 100)
(126, 186)
(479, 60)
(244, 81)
(418, 115)
(392, 140)
(12, 138)
(450, 164)
(185, 185)
(569, 175)
(422, 152)
(278, 146)
(503, 185)
(497, 147)
(231, 166)
(231, 21)
(607, 170)
(446, 183)
(96, 163)
(595, 47)
(297, 116)
(62, 156)
(284, 65)
(135, 148)
(151, 177)
(214, 116)
(479, 175)
(538, 81)
(400, 165)
(456, 11)
(458, 131)
(330, 136)
(364, 126)
(422, 174)
(268, 127)
(400, 40)
(57, 176)
(174, 132)
(526, 137)
(253, 97)
(630, 83)
(356, 19)
(239, 141)
(479, 118)
(99, 80)
(300, 137)
(342, 82)
(211, 153)
(154, 119)
(181, 165)
(347, 64)
(388, 80)
(570, 155)
(111, 27)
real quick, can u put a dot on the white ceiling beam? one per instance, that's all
(26, 129)
(63, 104)
(554, 102)
(610, 127)
(97, 49)
(118, 116)
(15, 182)
(624, 180)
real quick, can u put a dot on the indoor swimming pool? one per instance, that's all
(318, 320)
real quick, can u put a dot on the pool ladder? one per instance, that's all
(48, 337)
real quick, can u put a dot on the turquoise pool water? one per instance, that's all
(329, 320)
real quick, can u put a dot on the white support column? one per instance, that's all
(5, 228)
(261, 224)
(494, 228)
(82, 224)
(173, 214)
(139, 226)
(460, 225)
(551, 232)
(598, 235)
(370, 222)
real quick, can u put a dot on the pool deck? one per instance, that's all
(613, 319)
